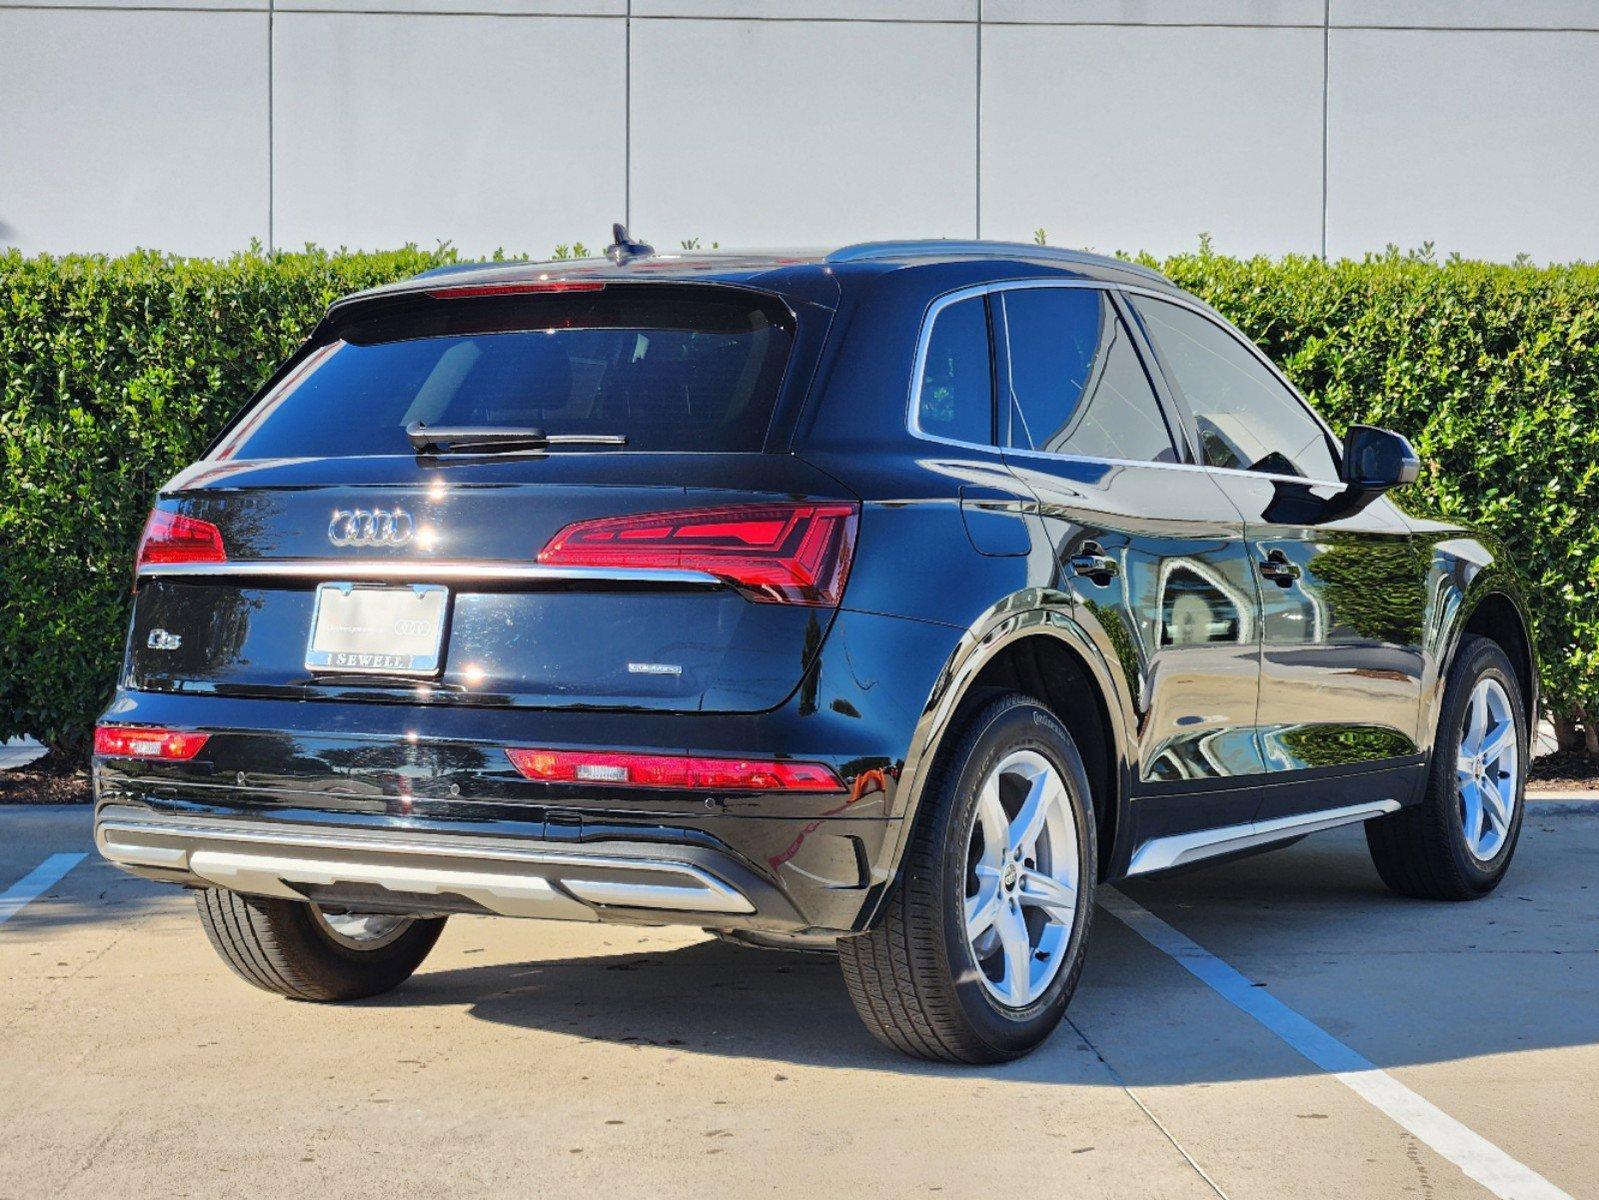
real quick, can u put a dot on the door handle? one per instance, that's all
(1094, 564)
(1277, 568)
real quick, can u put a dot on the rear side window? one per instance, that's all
(1072, 381)
(957, 385)
(667, 367)
(1246, 419)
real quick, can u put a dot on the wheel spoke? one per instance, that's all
(982, 910)
(1056, 898)
(1029, 821)
(1477, 718)
(1471, 820)
(1494, 804)
(996, 825)
(1503, 740)
(1018, 948)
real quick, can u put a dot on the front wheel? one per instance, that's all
(1457, 843)
(981, 944)
(295, 949)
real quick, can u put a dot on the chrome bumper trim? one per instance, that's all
(504, 876)
(1159, 854)
(421, 570)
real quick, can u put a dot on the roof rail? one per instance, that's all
(929, 247)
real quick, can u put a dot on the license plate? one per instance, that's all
(377, 629)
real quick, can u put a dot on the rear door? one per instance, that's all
(1148, 545)
(1343, 593)
(681, 568)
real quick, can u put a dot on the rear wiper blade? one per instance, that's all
(482, 439)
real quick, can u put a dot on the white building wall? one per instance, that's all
(196, 126)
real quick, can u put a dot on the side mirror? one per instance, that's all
(1377, 459)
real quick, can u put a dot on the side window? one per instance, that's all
(1246, 419)
(1072, 382)
(957, 385)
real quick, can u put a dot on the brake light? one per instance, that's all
(673, 771)
(171, 538)
(515, 289)
(126, 741)
(778, 553)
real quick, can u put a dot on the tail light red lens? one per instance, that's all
(127, 741)
(779, 553)
(673, 771)
(172, 538)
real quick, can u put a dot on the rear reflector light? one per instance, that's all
(171, 538)
(125, 741)
(515, 289)
(673, 771)
(779, 553)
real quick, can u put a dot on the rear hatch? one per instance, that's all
(585, 512)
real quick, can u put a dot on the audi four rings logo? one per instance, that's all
(370, 527)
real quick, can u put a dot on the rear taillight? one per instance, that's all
(127, 741)
(778, 553)
(673, 771)
(171, 538)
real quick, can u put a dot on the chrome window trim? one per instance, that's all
(939, 303)
(409, 570)
(925, 337)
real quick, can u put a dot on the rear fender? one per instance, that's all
(1035, 612)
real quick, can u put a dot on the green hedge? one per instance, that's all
(114, 372)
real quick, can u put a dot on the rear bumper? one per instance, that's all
(416, 773)
(420, 869)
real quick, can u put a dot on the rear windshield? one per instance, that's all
(667, 367)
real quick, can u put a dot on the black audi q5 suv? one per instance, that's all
(884, 601)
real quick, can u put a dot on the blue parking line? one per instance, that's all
(1474, 1154)
(35, 883)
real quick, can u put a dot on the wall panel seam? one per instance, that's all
(627, 119)
(1326, 86)
(272, 148)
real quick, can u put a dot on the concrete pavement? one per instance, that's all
(533, 1059)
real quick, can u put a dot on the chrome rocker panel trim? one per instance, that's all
(1163, 853)
(508, 877)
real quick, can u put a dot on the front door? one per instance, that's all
(1149, 547)
(1342, 592)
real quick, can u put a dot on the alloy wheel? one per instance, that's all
(361, 931)
(1021, 878)
(1487, 769)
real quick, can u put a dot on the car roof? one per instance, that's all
(787, 271)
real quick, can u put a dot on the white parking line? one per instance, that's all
(35, 883)
(1472, 1153)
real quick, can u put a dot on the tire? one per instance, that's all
(919, 983)
(288, 947)
(1422, 850)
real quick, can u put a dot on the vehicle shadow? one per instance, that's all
(1401, 981)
